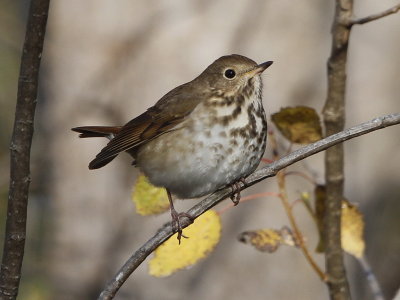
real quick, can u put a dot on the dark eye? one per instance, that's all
(230, 74)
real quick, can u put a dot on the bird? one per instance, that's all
(201, 136)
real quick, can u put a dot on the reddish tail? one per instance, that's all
(97, 131)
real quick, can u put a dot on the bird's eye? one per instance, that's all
(230, 74)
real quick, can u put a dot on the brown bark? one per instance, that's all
(20, 147)
(334, 120)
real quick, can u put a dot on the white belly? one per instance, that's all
(196, 160)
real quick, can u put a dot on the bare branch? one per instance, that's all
(268, 171)
(377, 16)
(20, 147)
(334, 120)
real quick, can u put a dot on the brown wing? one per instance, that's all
(162, 117)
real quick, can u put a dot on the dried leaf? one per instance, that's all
(352, 227)
(352, 230)
(268, 240)
(203, 234)
(320, 198)
(299, 124)
(148, 199)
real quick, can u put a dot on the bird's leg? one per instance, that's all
(176, 224)
(235, 197)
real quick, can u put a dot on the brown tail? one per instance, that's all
(97, 131)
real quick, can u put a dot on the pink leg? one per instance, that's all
(176, 224)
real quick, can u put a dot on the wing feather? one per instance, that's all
(164, 116)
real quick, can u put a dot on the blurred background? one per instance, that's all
(105, 62)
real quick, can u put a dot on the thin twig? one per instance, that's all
(308, 208)
(297, 233)
(288, 208)
(268, 171)
(20, 147)
(301, 174)
(266, 160)
(374, 17)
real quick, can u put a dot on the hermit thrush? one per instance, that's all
(199, 137)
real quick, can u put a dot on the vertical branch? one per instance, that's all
(334, 118)
(20, 147)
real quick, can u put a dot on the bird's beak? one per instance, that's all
(259, 69)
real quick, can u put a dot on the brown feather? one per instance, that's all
(166, 114)
(97, 131)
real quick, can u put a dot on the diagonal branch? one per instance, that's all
(270, 170)
(20, 147)
(374, 17)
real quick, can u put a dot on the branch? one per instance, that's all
(374, 17)
(20, 147)
(268, 171)
(334, 120)
(372, 281)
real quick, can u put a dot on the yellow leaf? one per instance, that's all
(268, 240)
(299, 124)
(203, 234)
(352, 230)
(148, 199)
(352, 226)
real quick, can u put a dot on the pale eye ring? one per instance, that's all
(229, 74)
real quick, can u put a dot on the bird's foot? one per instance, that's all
(235, 197)
(176, 223)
